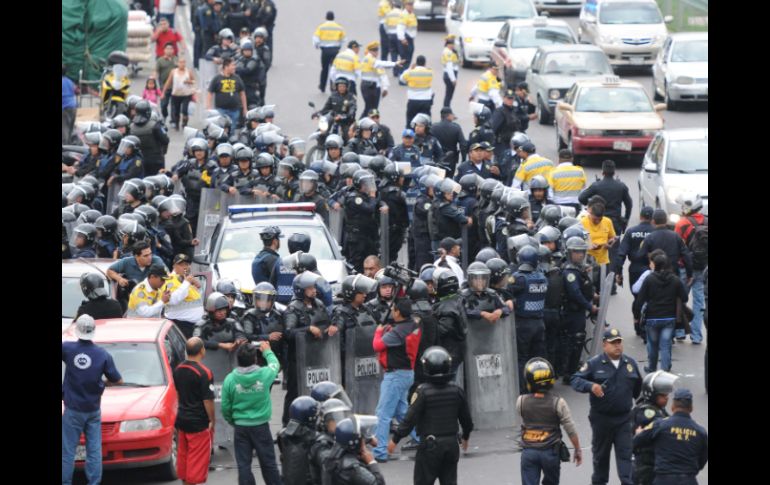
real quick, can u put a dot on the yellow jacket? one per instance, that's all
(487, 82)
(347, 62)
(329, 34)
(392, 19)
(567, 181)
(383, 8)
(534, 165)
(144, 301)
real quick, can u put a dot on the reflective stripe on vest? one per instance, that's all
(330, 32)
(567, 181)
(368, 71)
(392, 18)
(410, 22)
(449, 56)
(419, 79)
(488, 82)
(345, 62)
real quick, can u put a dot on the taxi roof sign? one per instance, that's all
(611, 79)
(540, 21)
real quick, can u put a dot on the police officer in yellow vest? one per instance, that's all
(420, 94)
(391, 20)
(532, 164)
(374, 81)
(329, 37)
(450, 61)
(383, 8)
(185, 305)
(567, 180)
(406, 31)
(347, 65)
(487, 89)
(146, 298)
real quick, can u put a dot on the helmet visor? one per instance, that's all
(478, 282)
(367, 425)
(364, 284)
(307, 186)
(263, 301)
(663, 382)
(173, 205)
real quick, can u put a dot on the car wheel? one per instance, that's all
(461, 55)
(655, 95)
(576, 159)
(671, 105)
(559, 142)
(168, 470)
(544, 117)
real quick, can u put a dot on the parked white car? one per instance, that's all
(676, 162)
(681, 70)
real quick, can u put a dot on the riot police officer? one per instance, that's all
(482, 131)
(393, 196)
(361, 219)
(363, 143)
(98, 303)
(265, 264)
(476, 163)
(419, 232)
(352, 311)
(406, 151)
(161, 241)
(304, 312)
(451, 317)
(379, 305)
(579, 294)
(308, 192)
(341, 106)
(240, 180)
(650, 407)
(332, 412)
(513, 222)
(427, 144)
(480, 301)
(538, 196)
(152, 138)
(217, 329)
(435, 410)
(529, 288)
(421, 308)
(128, 162)
(195, 177)
(265, 185)
(487, 207)
(505, 123)
(449, 216)
(264, 322)
(289, 170)
(295, 439)
(470, 204)
(499, 279)
(250, 68)
(349, 462)
(554, 296)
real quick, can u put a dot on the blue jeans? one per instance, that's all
(534, 461)
(393, 391)
(250, 438)
(233, 114)
(698, 303)
(73, 423)
(659, 341)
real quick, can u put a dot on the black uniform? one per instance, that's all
(287, 189)
(504, 123)
(190, 173)
(535, 206)
(523, 108)
(428, 338)
(450, 218)
(179, 229)
(450, 135)
(344, 106)
(486, 301)
(294, 442)
(344, 468)
(614, 193)
(529, 289)
(99, 308)
(213, 334)
(610, 415)
(680, 446)
(469, 167)
(452, 327)
(481, 133)
(644, 413)
(378, 308)
(361, 146)
(554, 297)
(470, 204)
(258, 325)
(505, 229)
(671, 244)
(398, 217)
(321, 206)
(251, 70)
(319, 451)
(265, 55)
(361, 227)
(429, 148)
(243, 182)
(383, 139)
(629, 247)
(419, 237)
(578, 297)
(435, 411)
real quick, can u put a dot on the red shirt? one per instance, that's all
(168, 36)
(397, 345)
(685, 228)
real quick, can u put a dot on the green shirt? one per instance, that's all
(246, 393)
(164, 67)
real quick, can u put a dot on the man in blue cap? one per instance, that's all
(266, 264)
(614, 381)
(681, 444)
(406, 151)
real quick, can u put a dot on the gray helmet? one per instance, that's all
(548, 234)
(120, 120)
(348, 170)
(224, 149)
(516, 243)
(550, 214)
(478, 276)
(333, 141)
(92, 286)
(350, 157)
(93, 138)
(367, 124)
(538, 182)
(216, 301)
(198, 144)
(260, 32)
(546, 258)
(658, 382)
(246, 153)
(576, 244)
(150, 214)
(470, 183)
(449, 186)
(362, 177)
(357, 284)
(264, 160)
(518, 139)
(515, 205)
(420, 119)
(690, 203)
(485, 254)
(89, 216)
(226, 34)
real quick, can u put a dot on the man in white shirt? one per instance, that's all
(185, 304)
(451, 248)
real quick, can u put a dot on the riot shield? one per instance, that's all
(362, 370)
(211, 211)
(220, 362)
(317, 360)
(113, 201)
(465, 247)
(385, 238)
(593, 345)
(491, 367)
(335, 225)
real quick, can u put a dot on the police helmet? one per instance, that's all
(327, 390)
(445, 281)
(263, 296)
(551, 214)
(516, 205)
(367, 124)
(518, 139)
(252, 115)
(306, 262)
(363, 178)
(341, 80)
(78, 209)
(437, 364)
(304, 410)
(658, 382)
(377, 164)
(264, 160)
(487, 186)
(485, 254)
(478, 276)
(143, 112)
(93, 138)
(134, 216)
(497, 194)
(269, 233)
(358, 284)
(85, 191)
(90, 216)
(421, 119)
(539, 374)
(224, 150)
(247, 45)
(107, 224)
(134, 188)
(67, 216)
(132, 100)
(348, 170)
(334, 410)
(110, 140)
(347, 435)
(227, 288)
(350, 157)
(538, 182)
(548, 234)
(500, 270)
(470, 183)
(546, 258)
(131, 228)
(576, 230)
(690, 203)
(308, 182)
(157, 201)
(173, 205)
(576, 243)
(483, 115)
(420, 295)
(528, 258)
(150, 213)
(299, 241)
(260, 32)
(448, 186)
(566, 222)
(120, 121)
(216, 301)
(215, 132)
(226, 34)
(391, 173)
(198, 144)
(302, 282)
(88, 231)
(426, 273)
(92, 286)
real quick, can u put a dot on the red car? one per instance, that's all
(138, 417)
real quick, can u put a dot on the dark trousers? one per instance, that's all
(179, 107)
(384, 43)
(358, 247)
(552, 321)
(151, 167)
(535, 461)
(327, 57)
(395, 241)
(393, 44)
(450, 91)
(371, 94)
(414, 106)
(164, 103)
(186, 328)
(68, 116)
(609, 431)
(262, 90)
(246, 440)
(437, 459)
(292, 391)
(422, 251)
(197, 48)
(674, 480)
(572, 337)
(406, 52)
(530, 341)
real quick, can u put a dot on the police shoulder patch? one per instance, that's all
(359, 200)
(571, 277)
(427, 206)
(138, 163)
(630, 368)
(511, 280)
(141, 294)
(584, 367)
(649, 413)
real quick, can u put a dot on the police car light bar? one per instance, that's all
(254, 208)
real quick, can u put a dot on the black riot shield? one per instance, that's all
(384, 238)
(362, 370)
(317, 360)
(212, 210)
(491, 368)
(593, 344)
(220, 363)
(113, 201)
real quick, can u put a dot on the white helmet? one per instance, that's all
(690, 202)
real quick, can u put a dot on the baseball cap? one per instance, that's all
(646, 212)
(86, 327)
(528, 147)
(353, 43)
(374, 112)
(446, 110)
(407, 133)
(477, 145)
(611, 335)
(486, 146)
(157, 270)
(448, 243)
(182, 258)
(509, 93)
(682, 395)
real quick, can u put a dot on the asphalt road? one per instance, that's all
(293, 81)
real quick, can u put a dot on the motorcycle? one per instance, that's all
(326, 126)
(114, 86)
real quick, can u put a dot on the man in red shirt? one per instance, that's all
(685, 227)
(164, 34)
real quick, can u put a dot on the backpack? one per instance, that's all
(699, 242)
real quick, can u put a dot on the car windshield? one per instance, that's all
(496, 10)
(573, 63)
(523, 37)
(629, 13)
(691, 51)
(243, 243)
(139, 363)
(606, 99)
(688, 156)
(72, 296)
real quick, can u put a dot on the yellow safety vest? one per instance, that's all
(347, 62)
(567, 180)
(449, 56)
(420, 78)
(173, 284)
(409, 20)
(534, 165)
(487, 83)
(368, 71)
(330, 32)
(392, 19)
(142, 294)
(384, 8)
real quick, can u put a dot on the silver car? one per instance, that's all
(556, 68)
(681, 70)
(558, 5)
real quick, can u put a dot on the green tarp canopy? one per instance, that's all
(91, 29)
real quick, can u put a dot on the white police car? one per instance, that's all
(236, 241)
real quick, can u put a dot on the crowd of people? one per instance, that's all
(533, 232)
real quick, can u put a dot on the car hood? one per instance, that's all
(691, 182)
(561, 81)
(124, 403)
(332, 270)
(485, 30)
(632, 31)
(692, 69)
(618, 121)
(522, 56)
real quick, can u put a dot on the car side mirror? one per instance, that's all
(565, 107)
(660, 107)
(500, 43)
(651, 167)
(668, 19)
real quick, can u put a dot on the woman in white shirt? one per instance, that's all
(182, 84)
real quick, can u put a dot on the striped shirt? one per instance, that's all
(567, 181)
